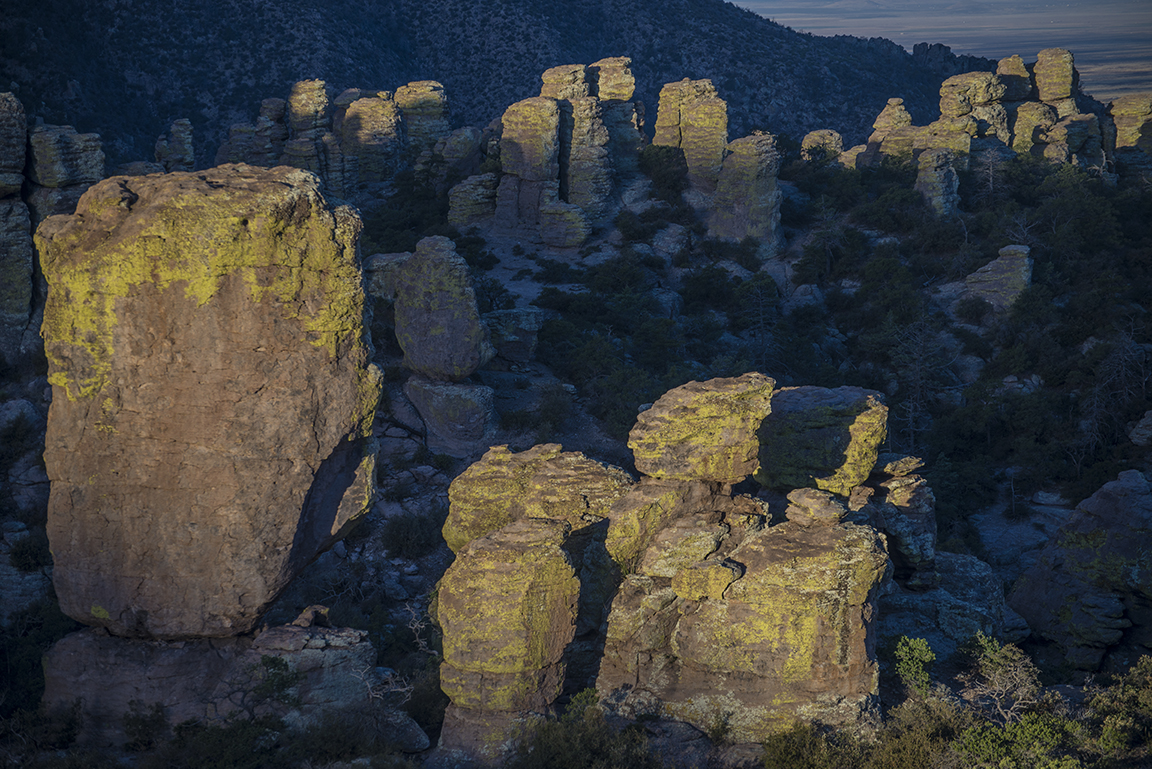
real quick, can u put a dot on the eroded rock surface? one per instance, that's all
(437, 323)
(210, 428)
(747, 202)
(693, 118)
(704, 430)
(1089, 590)
(1002, 280)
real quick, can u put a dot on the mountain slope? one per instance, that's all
(127, 68)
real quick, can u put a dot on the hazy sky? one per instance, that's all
(1111, 39)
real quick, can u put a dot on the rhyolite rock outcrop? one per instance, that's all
(437, 323)
(174, 151)
(507, 608)
(773, 625)
(747, 201)
(1089, 591)
(210, 430)
(689, 604)
(13, 141)
(1001, 281)
(459, 418)
(693, 118)
(822, 438)
(938, 181)
(16, 260)
(704, 430)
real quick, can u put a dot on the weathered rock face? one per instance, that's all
(459, 419)
(816, 437)
(1055, 75)
(437, 323)
(15, 273)
(370, 132)
(13, 141)
(1089, 591)
(1033, 119)
(969, 598)
(425, 108)
(174, 151)
(938, 182)
(61, 157)
(208, 680)
(193, 472)
(473, 200)
(542, 482)
(751, 632)
(613, 78)
(307, 110)
(961, 94)
(507, 609)
(694, 119)
(747, 202)
(719, 616)
(704, 430)
(586, 167)
(530, 144)
(1132, 118)
(1000, 281)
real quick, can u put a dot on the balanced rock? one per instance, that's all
(894, 115)
(1091, 586)
(568, 81)
(13, 144)
(747, 202)
(425, 108)
(960, 94)
(1132, 116)
(821, 438)
(1002, 280)
(811, 507)
(693, 118)
(704, 430)
(507, 610)
(905, 511)
(459, 418)
(613, 78)
(542, 482)
(1017, 80)
(210, 430)
(1055, 75)
(437, 323)
(61, 157)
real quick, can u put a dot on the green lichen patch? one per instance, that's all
(189, 233)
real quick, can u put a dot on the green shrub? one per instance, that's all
(581, 739)
(914, 658)
(412, 536)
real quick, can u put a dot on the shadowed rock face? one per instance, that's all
(1091, 586)
(210, 427)
(694, 119)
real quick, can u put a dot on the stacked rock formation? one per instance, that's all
(714, 614)
(210, 430)
(1132, 118)
(937, 180)
(355, 141)
(1089, 591)
(439, 329)
(694, 119)
(1034, 109)
(15, 229)
(563, 156)
(747, 202)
